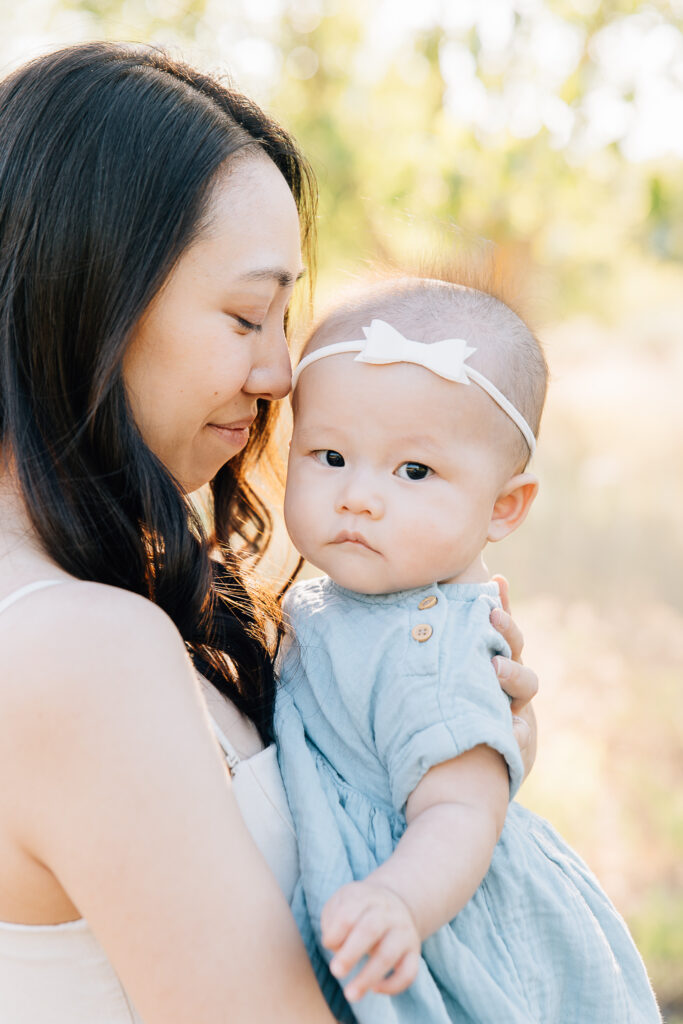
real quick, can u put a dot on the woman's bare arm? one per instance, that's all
(122, 794)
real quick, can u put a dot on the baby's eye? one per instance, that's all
(328, 457)
(413, 471)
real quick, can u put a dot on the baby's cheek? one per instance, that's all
(301, 519)
(428, 543)
(418, 526)
(292, 509)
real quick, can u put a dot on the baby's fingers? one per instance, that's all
(390, 954)
(339, 915)
(362, 938)
(404, 974)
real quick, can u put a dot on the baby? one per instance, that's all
(436, 898)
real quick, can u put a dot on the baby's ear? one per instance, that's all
(512, 504)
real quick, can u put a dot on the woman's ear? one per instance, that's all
(512, 504)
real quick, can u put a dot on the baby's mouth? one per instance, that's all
(348, 537)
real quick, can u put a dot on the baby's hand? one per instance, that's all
(368, 919)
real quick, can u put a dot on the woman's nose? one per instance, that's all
(359, 498)
(270, 376)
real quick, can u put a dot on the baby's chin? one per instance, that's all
(371, 573)
(375, 583)
(361, 582)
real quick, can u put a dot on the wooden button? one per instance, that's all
(428, 602)
(422, 632)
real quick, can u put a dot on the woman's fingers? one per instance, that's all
(522, 731)
(519, 682)
(504, 591)
(509, 630)
(502, 620)
(526, 734)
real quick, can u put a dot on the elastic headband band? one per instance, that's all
(383, 344)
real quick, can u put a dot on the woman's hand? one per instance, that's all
(518, 681)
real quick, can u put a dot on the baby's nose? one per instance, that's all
(360, 499)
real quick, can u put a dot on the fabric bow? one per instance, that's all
(384, 344)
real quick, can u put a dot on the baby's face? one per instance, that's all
(393, 474)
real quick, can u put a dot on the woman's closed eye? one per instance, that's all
(246, 324)
(328, 457)
(413, 471)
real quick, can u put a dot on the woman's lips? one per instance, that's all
(236, 434)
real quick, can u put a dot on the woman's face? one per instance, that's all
(212, 341)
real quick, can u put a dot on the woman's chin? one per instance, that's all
(191, 480)
(197, 471)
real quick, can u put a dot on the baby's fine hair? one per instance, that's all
(453, 303)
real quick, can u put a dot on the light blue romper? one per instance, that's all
(375, 690)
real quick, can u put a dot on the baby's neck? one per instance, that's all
(476, 572)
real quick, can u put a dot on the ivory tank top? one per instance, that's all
(59, 973)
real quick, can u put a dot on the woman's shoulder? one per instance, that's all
(80, 611)
(88, 672)
(60, 642)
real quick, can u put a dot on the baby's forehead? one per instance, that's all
(338, 393)
(503, 355)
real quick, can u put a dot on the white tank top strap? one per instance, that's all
(231, 755)
(16, 595)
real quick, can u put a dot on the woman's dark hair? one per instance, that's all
(108, 155)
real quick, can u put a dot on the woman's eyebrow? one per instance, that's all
(283, 277)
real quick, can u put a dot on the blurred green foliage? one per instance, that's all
(553, 129)
(553, 135)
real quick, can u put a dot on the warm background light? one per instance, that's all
(553, 129)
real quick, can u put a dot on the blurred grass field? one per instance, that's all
(597, 575)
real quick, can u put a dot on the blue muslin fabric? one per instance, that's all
(374, 691)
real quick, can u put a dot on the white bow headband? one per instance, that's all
(383, 344)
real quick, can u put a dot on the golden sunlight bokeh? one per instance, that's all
(553, 129)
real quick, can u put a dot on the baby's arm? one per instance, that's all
(455, 816)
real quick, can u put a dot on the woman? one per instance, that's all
(150, 243)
